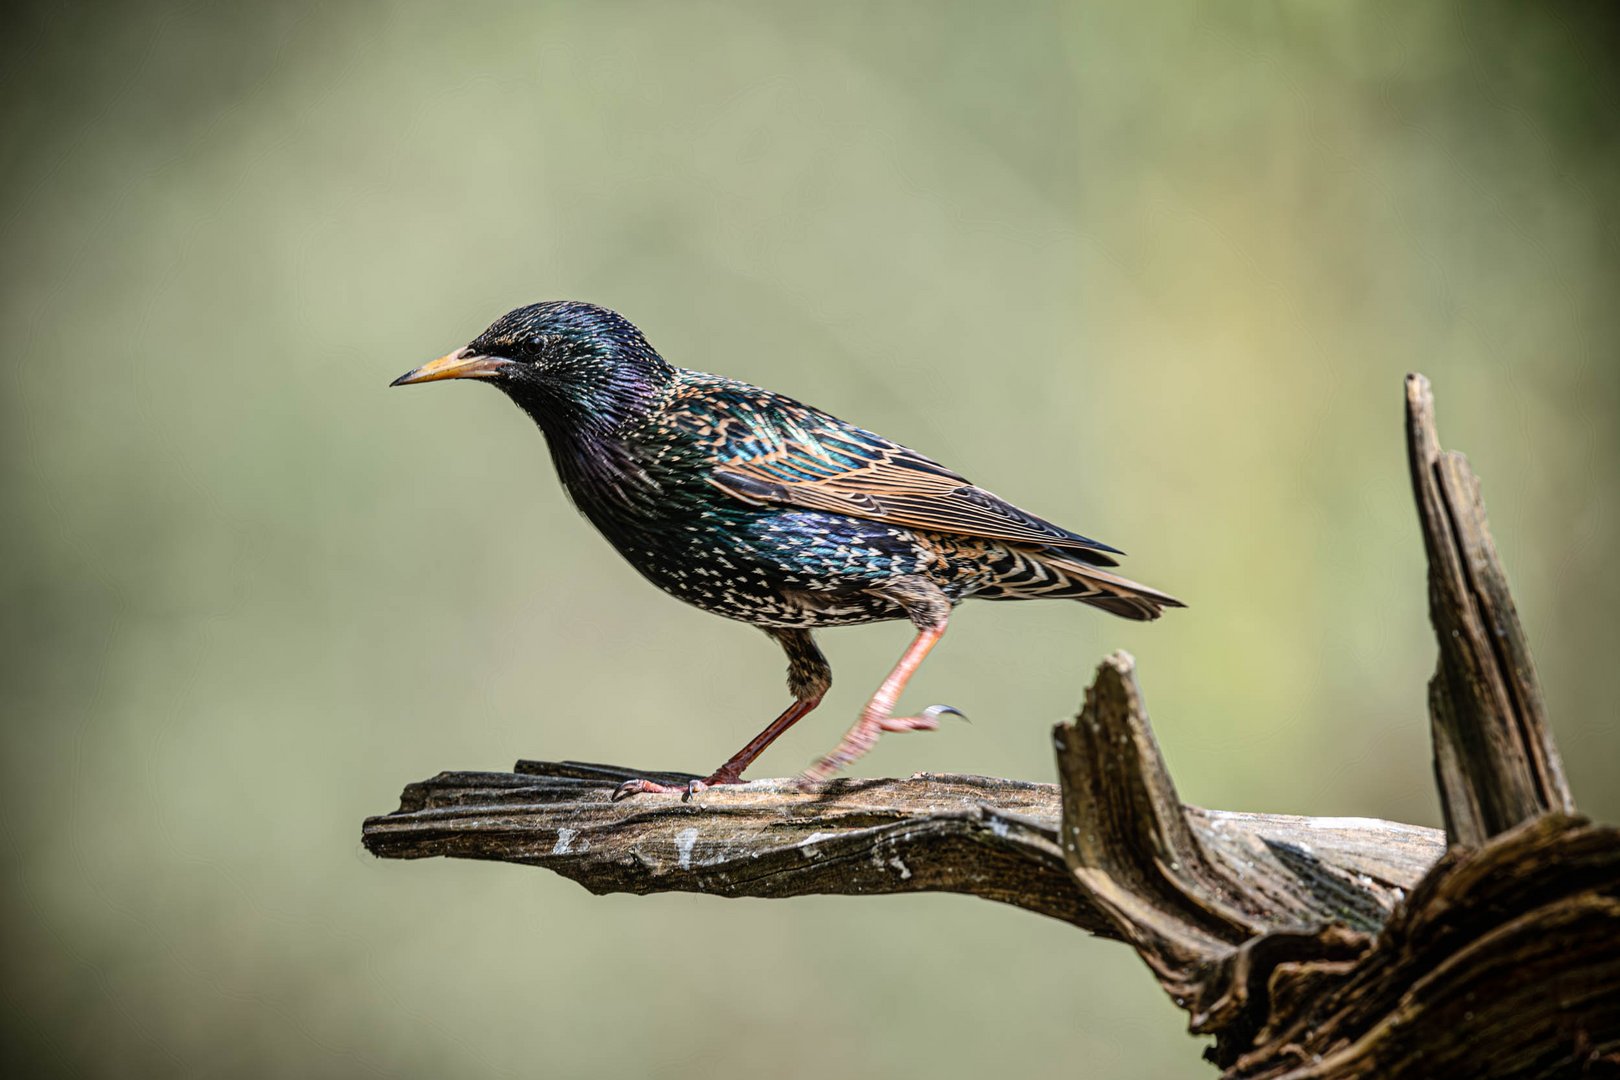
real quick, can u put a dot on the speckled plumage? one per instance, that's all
(759, 508)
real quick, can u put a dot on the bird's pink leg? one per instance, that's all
(731, 771)
(876, 718)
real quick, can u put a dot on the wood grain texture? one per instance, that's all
(1504, 962)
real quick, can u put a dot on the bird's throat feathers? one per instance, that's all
(585, 422)
(594, 404)
(588, 378)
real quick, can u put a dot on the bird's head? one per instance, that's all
(570, 365)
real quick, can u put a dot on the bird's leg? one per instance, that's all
(929, 611)
(809, 676)
(876, 718)
(731, 771)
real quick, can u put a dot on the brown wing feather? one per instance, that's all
(794, 455)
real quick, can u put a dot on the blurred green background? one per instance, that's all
(1154, 271)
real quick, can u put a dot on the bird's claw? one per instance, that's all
(633, 787)
(639, 786)
(927, 720)
(934, 712)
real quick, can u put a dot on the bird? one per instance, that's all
(753, 506)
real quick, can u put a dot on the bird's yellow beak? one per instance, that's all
(461, 364)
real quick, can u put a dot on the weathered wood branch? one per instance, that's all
(1210, 928)
(1308, 947)
(1494, 756)
(1504, 961)
(1521, 934)
(928, 833)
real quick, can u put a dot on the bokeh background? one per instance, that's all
(1155, 271)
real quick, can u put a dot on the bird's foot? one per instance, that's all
(653, 787)
(685, 791)
(864, 735)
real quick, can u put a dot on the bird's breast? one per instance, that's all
(770, 568)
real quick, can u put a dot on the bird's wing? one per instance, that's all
(772, 449)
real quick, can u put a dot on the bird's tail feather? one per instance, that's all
(1054, 574)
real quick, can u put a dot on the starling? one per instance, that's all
(756, 507)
